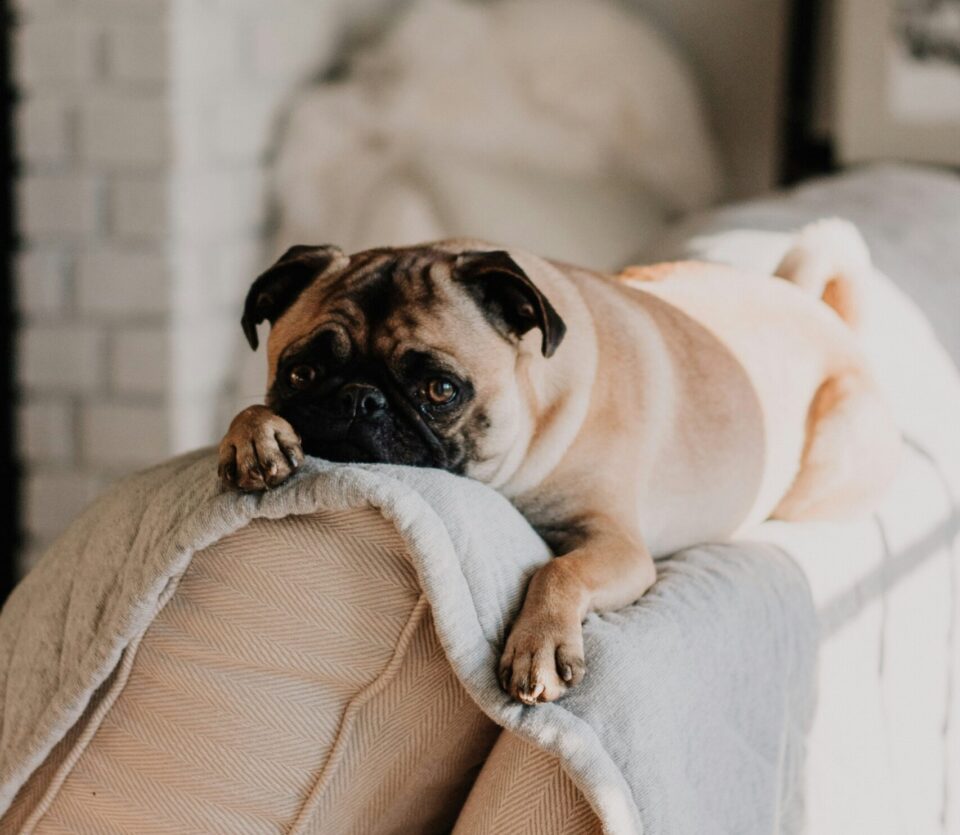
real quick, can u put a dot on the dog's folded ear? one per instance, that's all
(511, 301)
(279, 287)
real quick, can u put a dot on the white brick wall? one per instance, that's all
(124, 130)
(94, 139)
(123, 282)
(45, 130)
(56, 52)
(64, 357)
(42, 289)
(144, 132)
(140, 361)
(53, 497)
(137, 53)
(138, 208)
(58, 207)
(123, 436)
(46, 430)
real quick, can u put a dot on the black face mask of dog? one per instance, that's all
(379, 357)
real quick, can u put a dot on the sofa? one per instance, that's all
(321, 658)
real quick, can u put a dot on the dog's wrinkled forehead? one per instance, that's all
(379, 296)
(392, 293)
(377, 285)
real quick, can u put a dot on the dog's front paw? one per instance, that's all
(543, 657)
(260, 450)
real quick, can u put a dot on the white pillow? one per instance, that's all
(569, 128)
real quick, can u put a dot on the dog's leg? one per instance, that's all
(544, 652)
(850, 455)
(260, 450)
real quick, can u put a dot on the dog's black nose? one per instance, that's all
(360, 400)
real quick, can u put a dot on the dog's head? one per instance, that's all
(404, 356)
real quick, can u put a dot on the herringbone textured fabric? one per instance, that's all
(294, 683)
(31, 796)
(524, 790)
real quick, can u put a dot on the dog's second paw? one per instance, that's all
(259, 451)
(543, 658)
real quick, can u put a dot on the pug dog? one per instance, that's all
(626, 416)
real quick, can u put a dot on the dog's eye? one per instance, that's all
(440, 391)
(302, 376)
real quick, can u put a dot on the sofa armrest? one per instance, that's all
(293, 682)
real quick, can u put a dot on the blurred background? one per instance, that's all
(157, 153)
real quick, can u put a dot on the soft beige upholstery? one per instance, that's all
(293, 683)
(524, 790)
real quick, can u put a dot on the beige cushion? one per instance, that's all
(523, 789)
(293, 683)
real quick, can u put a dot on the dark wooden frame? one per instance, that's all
(804, 155)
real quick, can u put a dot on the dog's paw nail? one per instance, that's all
(528, 695)
(227, 473)
(570, 666)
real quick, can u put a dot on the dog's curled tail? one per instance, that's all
(830, 259)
